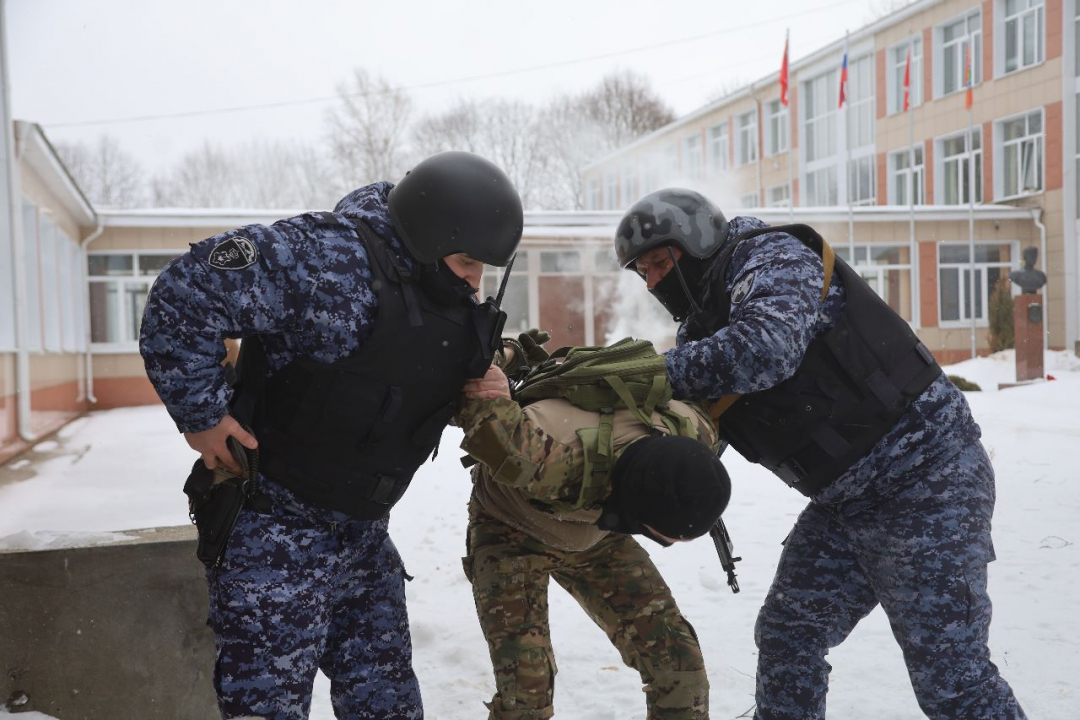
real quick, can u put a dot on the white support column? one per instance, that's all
(1070, 87)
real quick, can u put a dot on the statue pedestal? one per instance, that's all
(1028, 324)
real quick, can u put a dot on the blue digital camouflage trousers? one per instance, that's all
(302, 589)
(922, 555)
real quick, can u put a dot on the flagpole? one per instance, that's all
(971, 194)
(791, 145)
(847, 153)
(914, 244)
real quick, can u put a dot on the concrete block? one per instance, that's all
(108, 631)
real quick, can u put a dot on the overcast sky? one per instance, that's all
(73, 62)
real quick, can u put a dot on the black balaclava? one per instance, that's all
(443, 286)
(671, 292)
(675, 485)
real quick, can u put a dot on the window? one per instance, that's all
(860, 180)
(897, 65)
(821, 96)
(693, 156)
(860, 103)
(821, 186)
(992, 262)
(592, 194)
(49, 258)
(776, 128)
(31, 249)
(650, 174)
(119, 283)
(747, 138)
(954, 39)
(1022, 27)
(626, 187)
(669, 163)
(1021, 152)
(718, 148)
(750, 200)
(7, 291)
(516, 297)
(611, 190)
(956, 169)
(778, 196)
(887, 269)
(905, 174)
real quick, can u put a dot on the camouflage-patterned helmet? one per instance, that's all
(457, 202)
(672, 216)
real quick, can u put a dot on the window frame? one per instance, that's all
(783, 189)
(941, 47)
(896, 174)
(1002, 147)
(941, 162)
(982, 268)
(894, 78)
(718, 147)
(1036, 9)
(627, 176)
(777, 128)
(864, 268)
(125, 344)
(693, 146)
(746, 137)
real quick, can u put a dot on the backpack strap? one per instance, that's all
(599, 454)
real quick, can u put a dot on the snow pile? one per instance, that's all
(124, 469)
(52, 540)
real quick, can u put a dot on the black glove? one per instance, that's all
(531, 345)
(527, 352)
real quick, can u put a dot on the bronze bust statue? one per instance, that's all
(1028, 278)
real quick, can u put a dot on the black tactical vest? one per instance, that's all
(852, 386)
(349, 435)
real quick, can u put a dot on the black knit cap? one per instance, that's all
(675, 485)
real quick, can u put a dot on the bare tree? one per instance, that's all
(367, 131)
(506, 132)
(206, 177)
(625, 106)
(260, 173)
(583, 128)
(108, 175)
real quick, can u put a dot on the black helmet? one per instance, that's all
(675, 485)
(672, 216)
(457, 202)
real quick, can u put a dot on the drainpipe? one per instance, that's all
(1036, 216)
(89, 359)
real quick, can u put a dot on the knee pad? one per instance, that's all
(680, 690)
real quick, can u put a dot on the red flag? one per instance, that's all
(843, 76)
(784, 75)
(967, 75)
(907, 82)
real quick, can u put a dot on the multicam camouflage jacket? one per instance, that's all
(531, 462)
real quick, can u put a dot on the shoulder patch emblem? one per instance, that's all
(742, 288)
(236, 253)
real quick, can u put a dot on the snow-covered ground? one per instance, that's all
(122, 469)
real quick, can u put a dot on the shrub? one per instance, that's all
(963, 384)
(1002, 334)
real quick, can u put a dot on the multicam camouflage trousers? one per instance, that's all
(304, 589)
(617, 585)
(922, 555)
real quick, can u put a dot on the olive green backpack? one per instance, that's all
(629, 374)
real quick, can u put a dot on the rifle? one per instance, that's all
(724, 548)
